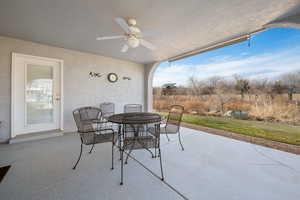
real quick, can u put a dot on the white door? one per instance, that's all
(36, 94)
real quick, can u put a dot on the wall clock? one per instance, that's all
(112, 77)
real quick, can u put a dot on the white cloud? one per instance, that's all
(264, 66)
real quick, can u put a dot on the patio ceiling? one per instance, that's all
(182, 25)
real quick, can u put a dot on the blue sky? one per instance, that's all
(271, 53)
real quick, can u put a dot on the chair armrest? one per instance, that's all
(103, 129)
(99, 121)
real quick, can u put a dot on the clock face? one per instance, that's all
(112, 77)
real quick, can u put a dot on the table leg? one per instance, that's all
(122, 155)
(122, 152)
(119, 139)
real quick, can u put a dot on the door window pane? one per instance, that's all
(39, 94)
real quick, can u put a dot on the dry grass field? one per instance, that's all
(276, 119)
(259, 107)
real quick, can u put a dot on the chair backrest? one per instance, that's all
(129, 108)
(174, 118)
(107, 109)
(83, 118)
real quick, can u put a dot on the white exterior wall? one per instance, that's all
(149, 72)
(79, 88)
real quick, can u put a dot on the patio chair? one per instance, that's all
(107, 110)
(91, 130)
(129, 108)
(141, 140)
(172, 125)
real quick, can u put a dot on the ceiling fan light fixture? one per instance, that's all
(133, 42)
(134, 30)
(131, 22)
(132, 35)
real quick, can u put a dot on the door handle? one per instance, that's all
(56, 98)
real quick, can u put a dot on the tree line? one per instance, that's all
(288, 83)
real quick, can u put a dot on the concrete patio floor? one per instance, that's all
(211, 167)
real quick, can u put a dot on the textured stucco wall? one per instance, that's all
(149, 73)
(79, 88)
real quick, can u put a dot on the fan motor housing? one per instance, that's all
(131, 22)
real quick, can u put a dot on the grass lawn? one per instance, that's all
(272, 131)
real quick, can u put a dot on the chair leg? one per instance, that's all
(122, 152)
(91, 149)
(128, 155)
(168, 137)
(112, 156)
(78, 157)
(152, 155)
(180, 141)
(161, 168)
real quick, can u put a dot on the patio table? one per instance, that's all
(136, 120)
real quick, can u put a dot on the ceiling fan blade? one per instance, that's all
(149, 33)
(147, 44)
(123, 24)
(110, 37)
(124, 48)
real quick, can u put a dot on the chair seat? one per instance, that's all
(94, 138)
(140, 142)
(163, 130)
(109, 125)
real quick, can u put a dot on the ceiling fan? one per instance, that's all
(133, 35)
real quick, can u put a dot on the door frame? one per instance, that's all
(13, 71)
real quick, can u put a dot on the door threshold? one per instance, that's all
(35, 136)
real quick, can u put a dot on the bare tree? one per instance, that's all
(222, 91)
(242, 85)
(263, 87)
(212, 84)
(259, 86)
(195, 85)
(278, 87)
(291, 82)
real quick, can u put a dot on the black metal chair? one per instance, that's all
(129, 108)
(141, 140)
(107, 110)
(91, 130)
(132, 108)
(172, 125)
